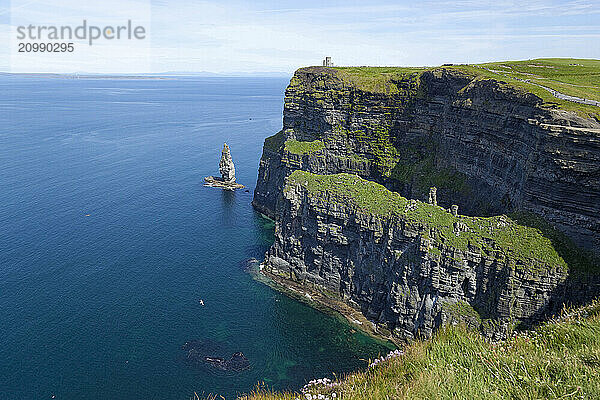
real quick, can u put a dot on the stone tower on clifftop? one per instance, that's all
(433, 196)
(226, 166)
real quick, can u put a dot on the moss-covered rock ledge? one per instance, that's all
(500, 236)
(408, 266)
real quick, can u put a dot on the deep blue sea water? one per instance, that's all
(98, 306)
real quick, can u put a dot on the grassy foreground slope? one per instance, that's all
(573, 77)
(560, 359)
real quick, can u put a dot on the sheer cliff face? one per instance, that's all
(406, 265)
(410, 267)
(487, 147)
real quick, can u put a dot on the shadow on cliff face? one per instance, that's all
(583, 280)
(500, 295)
(581, 262)
(264, 229)
(421, 166)
(577, 290)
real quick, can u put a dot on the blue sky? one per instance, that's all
(280, 36)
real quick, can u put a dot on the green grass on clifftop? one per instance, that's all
(519, 245)
(389, 80)
(578, 259)
(573, 77)
(559, 360)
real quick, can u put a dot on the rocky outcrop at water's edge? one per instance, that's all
(227, 170)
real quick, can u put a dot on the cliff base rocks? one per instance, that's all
(212, 181)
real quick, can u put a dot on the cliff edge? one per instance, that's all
(490, 145)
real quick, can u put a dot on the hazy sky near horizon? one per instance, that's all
(231, 36)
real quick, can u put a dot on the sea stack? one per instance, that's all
(226, 166)
(227, 170)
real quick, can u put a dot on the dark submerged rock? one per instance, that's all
(237, 363)
(202, 353)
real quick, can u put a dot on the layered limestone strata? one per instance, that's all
(226, 167)
(488, 147)
(410, 266)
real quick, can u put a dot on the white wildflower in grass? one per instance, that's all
(391, 354)
(320, 389)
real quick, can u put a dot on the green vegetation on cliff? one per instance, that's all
(576, 258)
(416, 164)
(378, 144)
(350, 189)
(389, 80)
(575, 77)
(572, 77)
(560, 359)
(413, 164)
(462, 311)
(517, 245)
(298, 147)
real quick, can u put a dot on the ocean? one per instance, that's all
(108, 240)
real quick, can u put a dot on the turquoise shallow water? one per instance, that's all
(99, 306)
